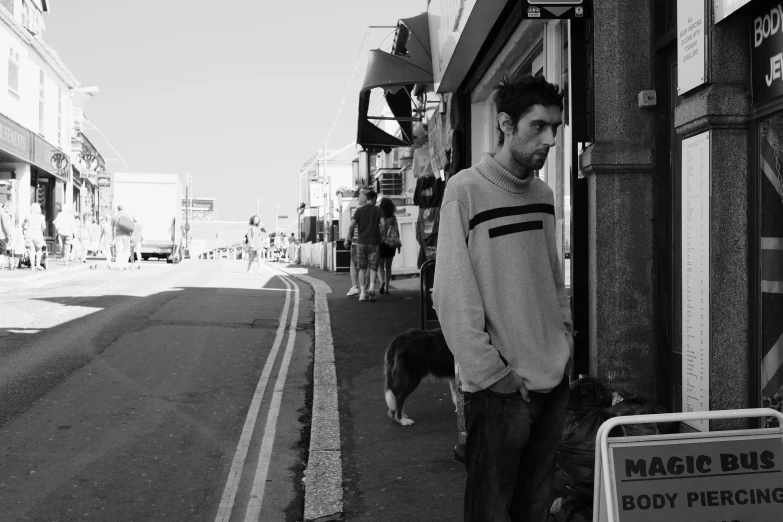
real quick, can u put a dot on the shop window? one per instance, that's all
(770, 261)
(41, 101)
(13, 73)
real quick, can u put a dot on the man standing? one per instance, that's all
(122, 226)
(503, 307)
(6, 235)
(65, 223)
(369, 219)
(352, 243)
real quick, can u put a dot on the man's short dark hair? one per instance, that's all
(370, 195)
(516, 96)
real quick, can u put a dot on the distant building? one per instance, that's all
(201, 209)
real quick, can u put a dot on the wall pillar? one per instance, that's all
(722, 107)
(620, 171)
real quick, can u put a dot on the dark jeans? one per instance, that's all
(511, 452)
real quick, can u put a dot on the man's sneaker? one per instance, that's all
(353, 291)
(363, 297)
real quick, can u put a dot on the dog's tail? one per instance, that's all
(388, 368)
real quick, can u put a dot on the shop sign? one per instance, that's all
(726, 478)
(691, 60)
(724, 8)
(558, 9)
(104, 181)
(766, 51)
(43, 151)
(60, 162)
(15, 139)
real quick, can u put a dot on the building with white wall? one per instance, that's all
(36, 113)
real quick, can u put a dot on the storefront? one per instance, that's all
(28, 158)
(766, 198)
(474, 44)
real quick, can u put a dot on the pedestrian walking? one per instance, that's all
(6, 236)
(17, 245)
(105, 241)
(503, 307)
(255, 242)
(389, 245)
(95, 237)
(353, 243)
(135, 245)
(284, 247)
(122, 228)
(292, 248)
(34, 227)
(65, 225)
(84, 238)
(370, 221)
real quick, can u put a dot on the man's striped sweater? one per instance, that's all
(499, 291)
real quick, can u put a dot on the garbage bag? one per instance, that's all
(637, 405)
(587, 401)
(571, 509)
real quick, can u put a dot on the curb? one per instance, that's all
(324, 473)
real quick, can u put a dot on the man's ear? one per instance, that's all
(504, 121)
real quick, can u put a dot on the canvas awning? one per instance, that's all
(409, 64)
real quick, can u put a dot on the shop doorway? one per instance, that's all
(668, 248)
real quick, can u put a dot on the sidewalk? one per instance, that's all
(389, 472)
(55, 266)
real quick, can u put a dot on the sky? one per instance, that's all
(237, 94)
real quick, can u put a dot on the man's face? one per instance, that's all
(362, 197)
(534, 136)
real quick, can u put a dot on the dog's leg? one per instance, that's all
(454, 392)
(400, 416)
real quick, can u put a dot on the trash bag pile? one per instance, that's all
(590, 403)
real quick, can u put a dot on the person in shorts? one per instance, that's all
(353, 244)
(370, 222)
(34, 227)
(122, 236)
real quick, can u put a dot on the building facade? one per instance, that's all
(40, 146)
(668, 191)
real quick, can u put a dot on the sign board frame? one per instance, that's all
(605, 504)
(692, 21)
(696, 194)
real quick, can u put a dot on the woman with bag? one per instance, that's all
(390, 243)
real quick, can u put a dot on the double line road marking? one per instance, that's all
(265, 454)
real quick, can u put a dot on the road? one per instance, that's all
(175, 392)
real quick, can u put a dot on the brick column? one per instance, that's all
(619, 167)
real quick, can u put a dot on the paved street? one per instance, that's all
(149, 395)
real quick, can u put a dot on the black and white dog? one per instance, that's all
(412, 356)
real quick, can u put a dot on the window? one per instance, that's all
(13, 73)
(25, 13)
(41, 101)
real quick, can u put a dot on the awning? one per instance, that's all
(409, 64)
